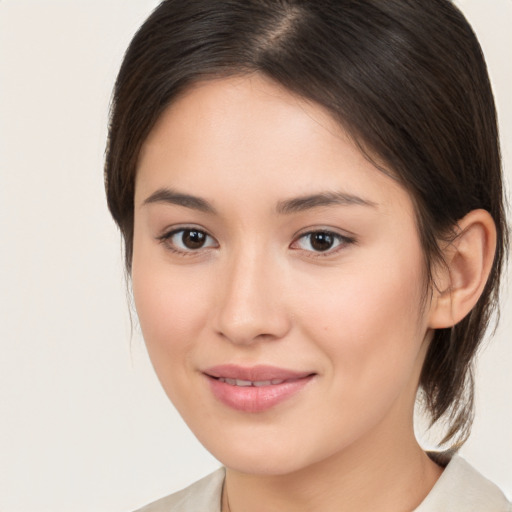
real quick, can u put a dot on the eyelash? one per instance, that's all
(342, 242)
(166, 239)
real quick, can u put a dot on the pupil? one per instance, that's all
(321, 241)
(193, 239)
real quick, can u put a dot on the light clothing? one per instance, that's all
(459, 489)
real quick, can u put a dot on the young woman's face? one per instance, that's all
(278, 278)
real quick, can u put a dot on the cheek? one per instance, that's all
(368, 321)
(172, 307)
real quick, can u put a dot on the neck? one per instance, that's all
(373, 476)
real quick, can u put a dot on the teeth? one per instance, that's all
(248, 383)
(262, 383)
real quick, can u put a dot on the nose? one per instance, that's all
(251, 303)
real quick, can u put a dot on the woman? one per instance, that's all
(311, 201)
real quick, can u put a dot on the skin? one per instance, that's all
(258, 293)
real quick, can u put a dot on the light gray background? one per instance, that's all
(84, 425)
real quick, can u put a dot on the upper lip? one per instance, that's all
(255, 373)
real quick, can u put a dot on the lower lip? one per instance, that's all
(256, 399)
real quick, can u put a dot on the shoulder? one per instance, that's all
(461, 488)
(202, 496)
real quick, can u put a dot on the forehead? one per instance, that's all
(248, 134)
(237, 111)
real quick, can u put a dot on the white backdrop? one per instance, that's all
(84, 425)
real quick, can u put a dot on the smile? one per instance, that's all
(255, 389)
(247, 383)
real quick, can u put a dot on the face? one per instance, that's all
(278, 278)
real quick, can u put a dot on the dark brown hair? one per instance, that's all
(406, 78)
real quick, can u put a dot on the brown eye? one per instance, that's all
(193, 239)
(186, 240)
(321, 241)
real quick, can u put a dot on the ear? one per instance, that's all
(459, 282)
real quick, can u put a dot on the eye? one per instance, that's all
(321, 241)
(188, 240)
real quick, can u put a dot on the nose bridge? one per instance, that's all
(250, 302)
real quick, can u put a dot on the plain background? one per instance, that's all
(84, 425)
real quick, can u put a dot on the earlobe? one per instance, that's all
(459, 282)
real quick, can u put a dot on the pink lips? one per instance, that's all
(254, 389)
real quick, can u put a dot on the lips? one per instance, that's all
(255, 389)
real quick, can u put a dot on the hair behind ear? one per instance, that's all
(461, 281)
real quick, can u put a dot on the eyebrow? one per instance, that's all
(309, 202)
(288, 206)
(170, 196)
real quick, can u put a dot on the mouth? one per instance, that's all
(248, 383)
(255, 389)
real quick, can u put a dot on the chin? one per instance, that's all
(265, 457)
(263, 465)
